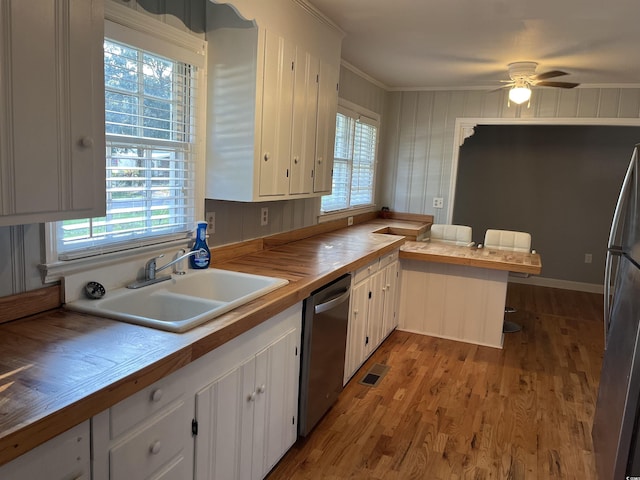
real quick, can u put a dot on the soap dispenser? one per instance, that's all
(200, 259)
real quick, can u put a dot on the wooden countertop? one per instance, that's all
(59, 368)
(520, 262)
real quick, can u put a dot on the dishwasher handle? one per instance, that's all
(342, 297)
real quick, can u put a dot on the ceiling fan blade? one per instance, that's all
(509, 85)
(557, 84)
(550, 74)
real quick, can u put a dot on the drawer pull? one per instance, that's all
(156, 395)
(252, 397)
(262, 389)
(154, 449)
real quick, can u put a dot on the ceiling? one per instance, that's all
(431, 44)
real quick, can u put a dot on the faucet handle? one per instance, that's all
(150, 267)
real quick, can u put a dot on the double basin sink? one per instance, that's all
(183, 302)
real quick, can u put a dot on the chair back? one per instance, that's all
(451, 234)
(508, 240)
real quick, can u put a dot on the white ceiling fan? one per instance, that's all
(523, 76)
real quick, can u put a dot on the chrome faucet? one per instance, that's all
(150, 269)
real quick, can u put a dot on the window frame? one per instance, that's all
(122, 24)
(358, 113)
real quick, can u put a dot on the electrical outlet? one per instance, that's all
(264, 216)
(211, 222)
(349, 221)
(588, 258)
(438, 202)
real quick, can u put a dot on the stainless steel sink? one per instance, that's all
(183, 302)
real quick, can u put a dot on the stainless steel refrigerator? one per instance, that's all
(616, 423)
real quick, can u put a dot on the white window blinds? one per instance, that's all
(150, 155)
(354, 162)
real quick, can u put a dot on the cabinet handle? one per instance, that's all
(319, 160)
(86, 142)
(154, 449)
(262, 389)
(295, 160)
(252, 397)
(355, 312)
(156, 396)
(266, 156)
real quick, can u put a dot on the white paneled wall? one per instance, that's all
(417, 150)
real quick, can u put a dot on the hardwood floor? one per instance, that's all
(449, 410)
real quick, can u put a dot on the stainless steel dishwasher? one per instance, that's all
(324, 339)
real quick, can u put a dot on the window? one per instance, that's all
(354, 161)
(150, 155)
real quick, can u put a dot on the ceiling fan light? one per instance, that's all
(519, 94)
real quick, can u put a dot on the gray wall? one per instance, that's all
(559, 183)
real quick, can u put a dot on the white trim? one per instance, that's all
(492, 87)
(166, 35)
(557, 283)
(358, 110)
(364, 75)
(318, 15)
(463, 125)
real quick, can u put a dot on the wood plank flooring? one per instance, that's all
(449, 410)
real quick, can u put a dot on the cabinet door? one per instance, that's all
(277, 108)
(303, 138)
(52, 157)
(224, 410)
(61, 458)
(326, 130)
(375, 317)
(390, 317)
(357, 332)
(276, 404)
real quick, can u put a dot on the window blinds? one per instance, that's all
(354, 162)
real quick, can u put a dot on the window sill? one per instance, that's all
(330, 216)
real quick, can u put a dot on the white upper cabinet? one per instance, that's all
(52, 156)
(325, 141)
(272, 100)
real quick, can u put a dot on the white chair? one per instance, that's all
(513, 242)
(451, 234)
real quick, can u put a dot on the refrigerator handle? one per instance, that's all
(607, 295)
(626, 184)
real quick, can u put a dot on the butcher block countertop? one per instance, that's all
(520, 262)
(59, 368)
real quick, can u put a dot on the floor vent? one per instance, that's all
(375, 374)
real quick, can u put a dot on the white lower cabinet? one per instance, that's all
(373, 310)
(247, 418)
(231, 414)
(65, 457)
(148, 435)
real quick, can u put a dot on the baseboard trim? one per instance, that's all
(557, 283)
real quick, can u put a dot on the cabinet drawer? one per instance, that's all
(147, 402)
(388, 259)
(157, 447)
(365, 271)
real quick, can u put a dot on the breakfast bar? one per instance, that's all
(458, 292)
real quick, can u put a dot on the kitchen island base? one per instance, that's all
(456, 302)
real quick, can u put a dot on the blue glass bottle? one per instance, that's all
(200, 260)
